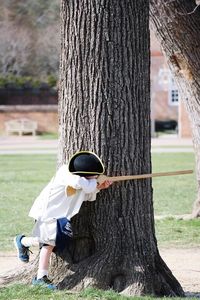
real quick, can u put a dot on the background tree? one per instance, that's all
(176, 24)
(105, 107)
(14, 50)
(29, 29)
(47, 50)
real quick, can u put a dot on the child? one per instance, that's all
(59, 201)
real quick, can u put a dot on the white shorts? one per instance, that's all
(46, 231)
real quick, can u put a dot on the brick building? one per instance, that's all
(166, 104)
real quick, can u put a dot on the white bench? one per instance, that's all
(21, 126)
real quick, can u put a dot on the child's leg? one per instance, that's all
(30, 241)
(45, 254)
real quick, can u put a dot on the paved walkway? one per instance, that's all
(27, 145)
(171, 140)
(171, 143)
(35, 145)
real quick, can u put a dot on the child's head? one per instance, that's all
(87, 164)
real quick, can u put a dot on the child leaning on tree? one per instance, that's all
(53, 209)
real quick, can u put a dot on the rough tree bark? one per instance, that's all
(105, 107)
(176, 23)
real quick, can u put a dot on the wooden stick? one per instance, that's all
(102, 178)
(71, 191)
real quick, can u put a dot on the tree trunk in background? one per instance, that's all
(177, 27)
(104, 106)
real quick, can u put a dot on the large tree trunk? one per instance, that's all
(105, 107)
(177, 26)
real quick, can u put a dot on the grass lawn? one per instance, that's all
(23, 176)
(23, 292)
(175, 194)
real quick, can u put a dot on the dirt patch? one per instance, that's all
(184, 264)
(10, 262)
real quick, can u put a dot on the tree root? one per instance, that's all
(100, 272)
(169, 286)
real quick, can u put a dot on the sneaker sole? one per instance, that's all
(15, 243)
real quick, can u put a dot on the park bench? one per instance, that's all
(21, 126)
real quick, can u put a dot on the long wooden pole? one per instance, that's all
(71, 191)
(102, 178)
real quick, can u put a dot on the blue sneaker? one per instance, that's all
(23, 252)
(45, 282)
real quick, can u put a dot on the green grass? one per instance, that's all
(178, 233)
(24, 292)
(22, 177)
(173, 195)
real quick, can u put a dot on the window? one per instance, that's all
(173, 95)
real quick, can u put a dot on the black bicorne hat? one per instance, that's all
(86, 163)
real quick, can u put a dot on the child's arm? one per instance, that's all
(76, 182)
(87, 185)
(104, 185)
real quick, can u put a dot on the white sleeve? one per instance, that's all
(77, 182)
(64, 177)
(87, 185)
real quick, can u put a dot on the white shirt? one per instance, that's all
(53, 203)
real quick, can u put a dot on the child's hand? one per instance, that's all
(104, 185)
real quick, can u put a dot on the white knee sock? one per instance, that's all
(30, 241)
(42, 273)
